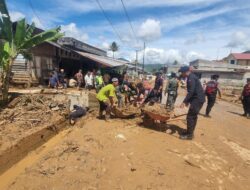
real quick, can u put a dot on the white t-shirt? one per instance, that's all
(88, 79)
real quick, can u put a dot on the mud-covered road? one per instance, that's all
(124, 155)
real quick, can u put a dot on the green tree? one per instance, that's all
(114, 47)
(17, 40)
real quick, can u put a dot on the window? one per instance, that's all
(232, 62)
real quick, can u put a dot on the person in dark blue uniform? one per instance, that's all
(195, 99)
(158, 86)
(53, 80)
(211, 91)
(76, 113)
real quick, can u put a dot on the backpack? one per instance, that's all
(246, 91)
(211, 87)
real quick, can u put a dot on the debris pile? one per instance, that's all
(127, 111)
(33, 109)
(157, 108)
(159, 112)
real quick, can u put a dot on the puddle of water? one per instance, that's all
(7, 177)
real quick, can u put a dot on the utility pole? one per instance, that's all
(136, 60)
(143, 57)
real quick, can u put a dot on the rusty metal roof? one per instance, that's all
(103, 60)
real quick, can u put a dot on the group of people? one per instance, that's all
(142, 93)
(91, 80)
(196, 94)
(139, 93)
(57, 79)
(126, 92)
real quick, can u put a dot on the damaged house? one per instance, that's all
(233, 70)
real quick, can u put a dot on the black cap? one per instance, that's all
(184, 69)
(173, 75)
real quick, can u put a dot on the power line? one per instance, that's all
(33, 10)
(129, 20)
(107, 18)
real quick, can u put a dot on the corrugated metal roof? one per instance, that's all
(106, 61)
(57, 45)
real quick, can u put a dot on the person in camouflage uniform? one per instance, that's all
(172, 91)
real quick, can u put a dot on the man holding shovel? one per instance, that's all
(106, 99)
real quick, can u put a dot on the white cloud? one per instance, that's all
(71, 30)
(170, 23)
(192, 55)
(163, 56)
(196, 39)
(15, 15)
(150, 30)
(239, 39)
(37, 22)
(105, 46)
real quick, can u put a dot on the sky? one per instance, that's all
(173, 30)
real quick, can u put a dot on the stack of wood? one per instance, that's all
(34, 108)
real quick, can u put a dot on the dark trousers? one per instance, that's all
(151, 97)
(171, 100)
(210, 103)
(246, 104)
(104, 106)
(192, 116)
(89, 87)
(159, 96)
(77, 114)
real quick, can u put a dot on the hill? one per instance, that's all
(153, 67)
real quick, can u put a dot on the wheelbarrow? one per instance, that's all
(151, 119)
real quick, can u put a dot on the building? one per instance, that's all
(81, 46)
(230, 74)
(67, 53)
(239, 59)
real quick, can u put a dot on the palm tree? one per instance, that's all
(17, 41)
(114, 47)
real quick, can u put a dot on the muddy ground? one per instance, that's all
(27, 114)
(125, 155)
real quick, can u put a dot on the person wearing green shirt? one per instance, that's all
(98, 81)
(106, 98)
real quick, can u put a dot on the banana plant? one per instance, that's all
(17, 40)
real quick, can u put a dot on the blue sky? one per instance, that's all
(181, 30)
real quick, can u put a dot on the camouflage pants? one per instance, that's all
(171, 100)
